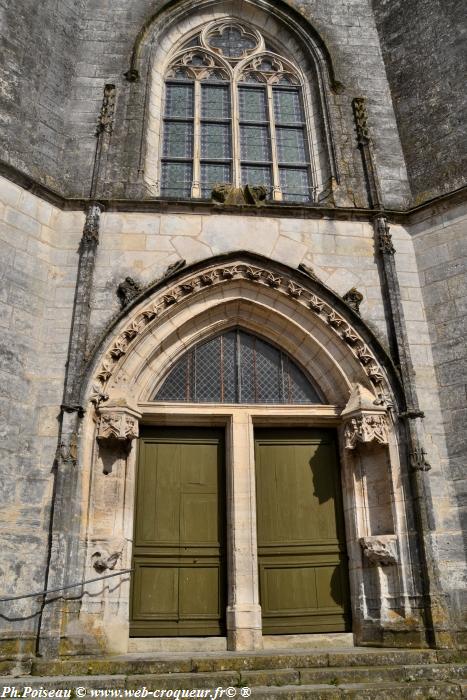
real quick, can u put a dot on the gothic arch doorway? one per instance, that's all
(352, 389)
(179, 548)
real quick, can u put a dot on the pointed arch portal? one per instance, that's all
(262, 516)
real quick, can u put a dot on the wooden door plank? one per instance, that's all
(301, 539)
(178, 587)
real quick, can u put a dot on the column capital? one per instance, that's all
(118, 423)
(365, 420)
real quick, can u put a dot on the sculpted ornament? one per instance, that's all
(353, 298)
(102, 561)
(380, 550)
(92, 224)
(69, 452)
(384, 236)
(106, 116)
(361, 120)
(127, 291)
(118, 426)
(171, 296)
(365, 429)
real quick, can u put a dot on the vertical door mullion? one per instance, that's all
(276, 181)
(196, 184)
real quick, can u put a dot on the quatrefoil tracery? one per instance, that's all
(205, 58)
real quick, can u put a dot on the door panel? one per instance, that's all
(178, 585)
(301, 539)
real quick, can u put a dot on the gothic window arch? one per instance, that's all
(237, 367)
(234, 113)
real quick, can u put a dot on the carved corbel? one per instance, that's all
(118, 427)
(364, 429)
(380, 550)
(364, 421)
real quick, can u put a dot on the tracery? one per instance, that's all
(234, 114)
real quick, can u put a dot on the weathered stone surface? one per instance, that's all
(51, 104)
(272, 677)
(184, 680)
(434, 145)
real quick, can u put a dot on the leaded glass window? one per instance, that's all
(177, 151)
(232, 41)
(237, 367)
(234, 114)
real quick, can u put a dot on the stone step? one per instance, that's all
(362, 691)
(116, 685)
(332, 676)
(241, 662)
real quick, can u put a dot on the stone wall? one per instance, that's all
(144, 245)
(423, 49)
(37, 281)
(39, 276)
(39, 43)
(441, 249)
(58, 97)
(51, 110)
(342, 255)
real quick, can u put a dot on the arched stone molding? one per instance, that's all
(171, 13)
(298, 314)
(157, 45)
(330, 342)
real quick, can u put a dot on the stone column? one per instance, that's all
(244, 629)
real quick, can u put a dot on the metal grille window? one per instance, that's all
(234, 114)
(237, 367)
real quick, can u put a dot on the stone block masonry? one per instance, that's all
(430, 104)
(57, 61)
(60, 105)
(37, 281)
(440, 245)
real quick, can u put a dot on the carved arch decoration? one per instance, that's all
(215, 294)
(298, 313)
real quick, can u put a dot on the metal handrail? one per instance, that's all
(64, 588)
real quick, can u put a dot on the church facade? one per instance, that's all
(233, 328)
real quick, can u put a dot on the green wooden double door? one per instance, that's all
(179, 557)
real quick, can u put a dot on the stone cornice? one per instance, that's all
(279, 210)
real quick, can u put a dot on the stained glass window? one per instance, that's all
(234, 124)
(179, 100)
(253, 104)
(215, 101)
(216, 137)
(232, 42)
(215, 141)
(287, 107)
(292, 147)
(178, 141)
(237, 367)
(213, 174)
(176, 179)
(177, 151)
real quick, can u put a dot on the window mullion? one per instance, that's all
(276, 181)
(235, 120)
(196, 184)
